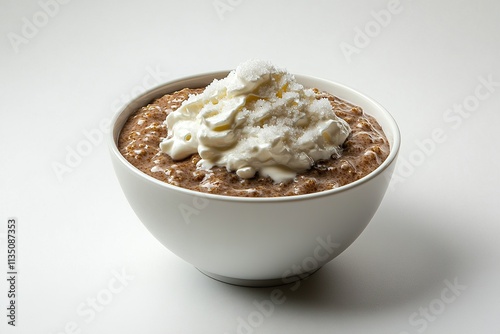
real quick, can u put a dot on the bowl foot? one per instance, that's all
(258, 283)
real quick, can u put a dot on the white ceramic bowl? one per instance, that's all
(255, 241)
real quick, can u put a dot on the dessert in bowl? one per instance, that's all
(253, 177)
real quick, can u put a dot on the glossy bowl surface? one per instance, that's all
(255, 241)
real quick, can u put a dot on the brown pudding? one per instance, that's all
(362, 152)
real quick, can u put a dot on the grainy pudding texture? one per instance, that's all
(362, 152)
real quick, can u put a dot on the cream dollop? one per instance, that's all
(257, 119)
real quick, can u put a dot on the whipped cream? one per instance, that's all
(257, 119)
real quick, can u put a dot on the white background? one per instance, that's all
(65, 74)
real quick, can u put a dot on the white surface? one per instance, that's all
(438, 224)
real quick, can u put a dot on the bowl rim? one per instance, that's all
(112, 138)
